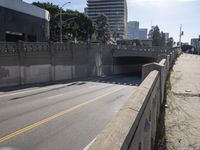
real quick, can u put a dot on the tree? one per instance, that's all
(102, 29)
(80, 28)
(170, 42)
(158, 38)
(75, 25)
(54, 21)
(162, 39)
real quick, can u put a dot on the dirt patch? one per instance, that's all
(182, 116)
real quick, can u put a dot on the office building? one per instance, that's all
(166, 37)
(23, 21)
(116, 12)
(136, 33)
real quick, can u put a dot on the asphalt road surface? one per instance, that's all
(63, 116)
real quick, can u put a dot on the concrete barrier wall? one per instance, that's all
(135, 125)
(27, 63)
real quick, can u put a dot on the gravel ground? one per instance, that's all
(182, 122)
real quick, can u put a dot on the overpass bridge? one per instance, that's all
(130, 59)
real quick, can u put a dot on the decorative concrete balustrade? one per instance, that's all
(155, 52)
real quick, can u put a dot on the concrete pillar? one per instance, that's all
(52, 56)
(73, 68)
(146, 69)
(21, 57)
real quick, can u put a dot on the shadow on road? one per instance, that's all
(129, 80)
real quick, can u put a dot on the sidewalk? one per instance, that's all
(183, 112)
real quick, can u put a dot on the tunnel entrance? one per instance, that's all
(130, 65)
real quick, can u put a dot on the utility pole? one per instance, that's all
(61, 23)
(181, 34)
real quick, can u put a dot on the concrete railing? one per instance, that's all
(154, 52)
(134, 126)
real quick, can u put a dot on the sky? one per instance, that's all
(167, 14)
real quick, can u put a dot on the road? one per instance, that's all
(63, 116)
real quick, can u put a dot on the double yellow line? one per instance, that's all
(34, 125)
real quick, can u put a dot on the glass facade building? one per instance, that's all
(116, 12)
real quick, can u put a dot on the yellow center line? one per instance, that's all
(34, 125)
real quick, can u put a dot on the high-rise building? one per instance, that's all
(136, 33)
(166, 37)
(133, 25)
(116, 12)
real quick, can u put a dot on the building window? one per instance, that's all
(14, 36)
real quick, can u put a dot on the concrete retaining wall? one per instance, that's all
(27, 63)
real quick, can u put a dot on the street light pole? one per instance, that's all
(61, 23)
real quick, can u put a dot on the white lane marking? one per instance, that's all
(40, 89)
(56, 96)
(88, 146)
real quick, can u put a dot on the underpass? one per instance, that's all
(130, 65)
